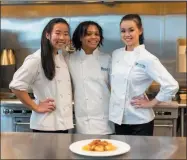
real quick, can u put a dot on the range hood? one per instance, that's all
(7, 2)
(10, 2)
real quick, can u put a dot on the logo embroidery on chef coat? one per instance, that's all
(104, 69)
(140, 65)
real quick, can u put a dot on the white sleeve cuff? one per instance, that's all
(19, 85)
(163, 97)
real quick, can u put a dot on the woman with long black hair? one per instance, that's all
(46, 72)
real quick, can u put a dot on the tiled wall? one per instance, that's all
(160, 32)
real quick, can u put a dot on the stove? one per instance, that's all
(15, 117)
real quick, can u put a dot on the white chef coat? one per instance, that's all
(31, 74)
(132, 73)
(90, 76)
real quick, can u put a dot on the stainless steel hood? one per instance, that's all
(11, 2)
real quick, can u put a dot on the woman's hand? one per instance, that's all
(143, 102)
(47, 105)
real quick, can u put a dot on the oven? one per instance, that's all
(165, 123)
(15, 118)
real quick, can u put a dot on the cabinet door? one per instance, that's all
(163, 127)
(22, 124)
(6, 123)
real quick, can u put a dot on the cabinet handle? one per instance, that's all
(21, 123)
(163, 125)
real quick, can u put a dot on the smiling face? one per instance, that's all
(91, 39)
(59, 36)
(130, 33)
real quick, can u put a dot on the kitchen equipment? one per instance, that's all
(7, 57)
(183, 93)
(183, 96)
(7, 67)
(10, 95)
(165, 123)
(181, 55)
(15, 118)
(7, 95)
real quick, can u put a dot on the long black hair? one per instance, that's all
(136, 18)
(47, 60)
(81, 31)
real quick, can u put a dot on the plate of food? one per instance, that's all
(99, 147)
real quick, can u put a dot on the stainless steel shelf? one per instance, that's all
(27, 2)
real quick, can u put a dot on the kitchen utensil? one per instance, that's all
(7, 57)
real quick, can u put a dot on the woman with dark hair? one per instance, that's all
(46, 72)
(133, 71)
(89, 70)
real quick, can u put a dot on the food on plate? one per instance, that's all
(99, 146)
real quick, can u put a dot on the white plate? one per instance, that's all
(122, 148)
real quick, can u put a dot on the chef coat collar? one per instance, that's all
(138, 48)
(83, 54)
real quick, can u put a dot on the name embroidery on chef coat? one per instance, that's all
(139, 65)
(104, 69)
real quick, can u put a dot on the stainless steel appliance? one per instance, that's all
(165, 123)
(15, 118)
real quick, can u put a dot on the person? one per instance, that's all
(89, 69)
(46, 72)
(133, 70)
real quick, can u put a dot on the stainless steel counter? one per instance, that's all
(56, 146)
(6, 102)
(171, 107)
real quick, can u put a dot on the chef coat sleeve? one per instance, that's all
(169, 86)
(25, 76)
